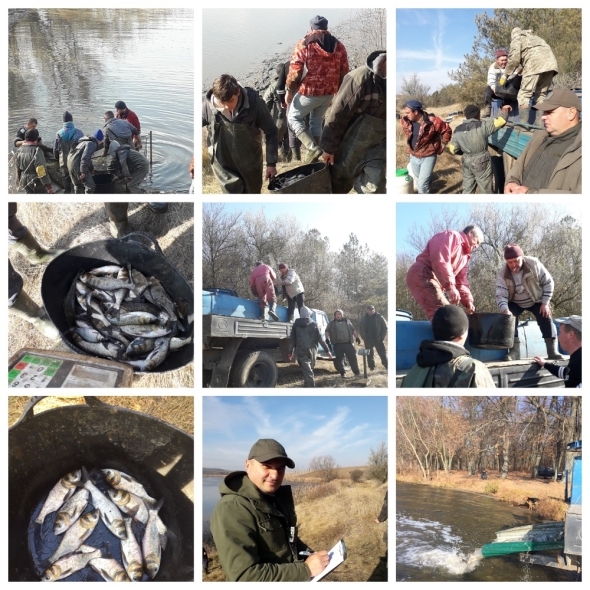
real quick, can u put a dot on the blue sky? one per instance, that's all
(432, 42)
(344, 427)
(409, 215)
(336, 222)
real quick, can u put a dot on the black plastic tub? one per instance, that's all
(104, 184)
(316, 180)
(145, 255)
(42, 448)
(491, 330)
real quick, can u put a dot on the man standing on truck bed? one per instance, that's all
(439, 275)
(539, 66)
(254, 525)
(471, 140)
(341, 334)
(292, 288)
(524, 284)
(444, 361)
(552, 160)
(495, 72)
(262, 281)
(305, 337)
(570, 338)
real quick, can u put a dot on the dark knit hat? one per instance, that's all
(501, 53)
(120, 105)
(512, 251)
(319, 23)
(282, 265)
(471, 112)
(67, 116)
(449, 322)
(266, 449)
(31, 135)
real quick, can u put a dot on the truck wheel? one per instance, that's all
(256, 369)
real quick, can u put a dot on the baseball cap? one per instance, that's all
(413, 104)
(575, 321)
(560, 97)
(266, 449)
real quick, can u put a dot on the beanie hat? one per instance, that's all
(99, 135)
(67, 117)
(31, 135)
(449, 322)
(305, 312)
(512, 251)
(282, 265)
(120, 105)
(501, 53)
(319, 23)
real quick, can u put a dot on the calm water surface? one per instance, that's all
(237, 41)
(84, 60)
(437, 530)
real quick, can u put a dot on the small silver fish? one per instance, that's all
(140, 346)
(110, 569)
(131, 554)
(178, 343)
(151, 544)
(109, 513)
(133, 317)
(145, 331)
(75, 536)
(60, 492)
(104, 283)
(108, 350)
(66, 566)
(70, 511)
(111, 269)
(122, 481)
(130, 504)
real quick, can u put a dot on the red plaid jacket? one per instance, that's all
(433, 130)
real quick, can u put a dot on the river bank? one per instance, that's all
(545, 497)
(329, 512)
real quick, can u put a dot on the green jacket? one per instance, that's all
(471, 137)
(251, 533)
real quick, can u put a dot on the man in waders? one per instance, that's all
(353, 139)
(235, 117)
(65, 138)
(80, 162)
(303, 345)
(444, 361)
(118, 130)
(128, 167)
(261, 285)
(524, 284)
(128, 115)
(470, 140)
(31, 167)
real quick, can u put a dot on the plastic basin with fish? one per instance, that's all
(144, 254)
(42, 448)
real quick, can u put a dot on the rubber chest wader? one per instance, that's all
(362, 146)
(235, 150)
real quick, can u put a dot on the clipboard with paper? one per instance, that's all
(337, 555)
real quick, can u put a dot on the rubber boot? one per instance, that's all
(291, 319)
(68, 186)
(486, 112)
(34, 253)
(272, 310)
(158, 207)
(26, 309)
(264, 313)
(514, 352)
(118, 230)
(314, 152)
(552, 354)
(296, 151)
(524, 114)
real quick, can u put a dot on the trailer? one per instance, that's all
(239, 348)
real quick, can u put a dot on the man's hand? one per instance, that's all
(317, 562)
(328, 158)
(470, 308)
(507, 108)
(453, 296)
(271, 172)
(507, 312)
(49, 189)
(292, 357)
(545, 311)
(513, 188)
(83, 176)
(377, 521)
(539, 361)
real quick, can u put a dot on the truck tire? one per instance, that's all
(255, 369)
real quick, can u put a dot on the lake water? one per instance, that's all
(84, 60)
(237, 41)
(437, 530)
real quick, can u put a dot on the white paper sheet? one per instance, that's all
(337, 556)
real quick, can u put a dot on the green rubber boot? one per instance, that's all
(34, 253)
(26, 309)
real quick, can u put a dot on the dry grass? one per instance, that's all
(315, 476)
(64, 225)
(515, 489)
(348, 513)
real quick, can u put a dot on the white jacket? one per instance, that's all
(291, 282)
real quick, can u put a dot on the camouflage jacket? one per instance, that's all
(532, 52)
(318, 65)
(447, 364)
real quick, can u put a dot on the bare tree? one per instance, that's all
(412, 87)
(377, 464)
(326, 466)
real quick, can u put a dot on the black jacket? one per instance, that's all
(572, 374)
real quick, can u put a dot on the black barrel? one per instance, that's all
(104, 184)
(316, 180)
(42, 448)
(491, 330)
(144, 254)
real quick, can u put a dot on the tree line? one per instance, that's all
(561, 28)
(348, 278)
(473, 434)
(545, 232)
